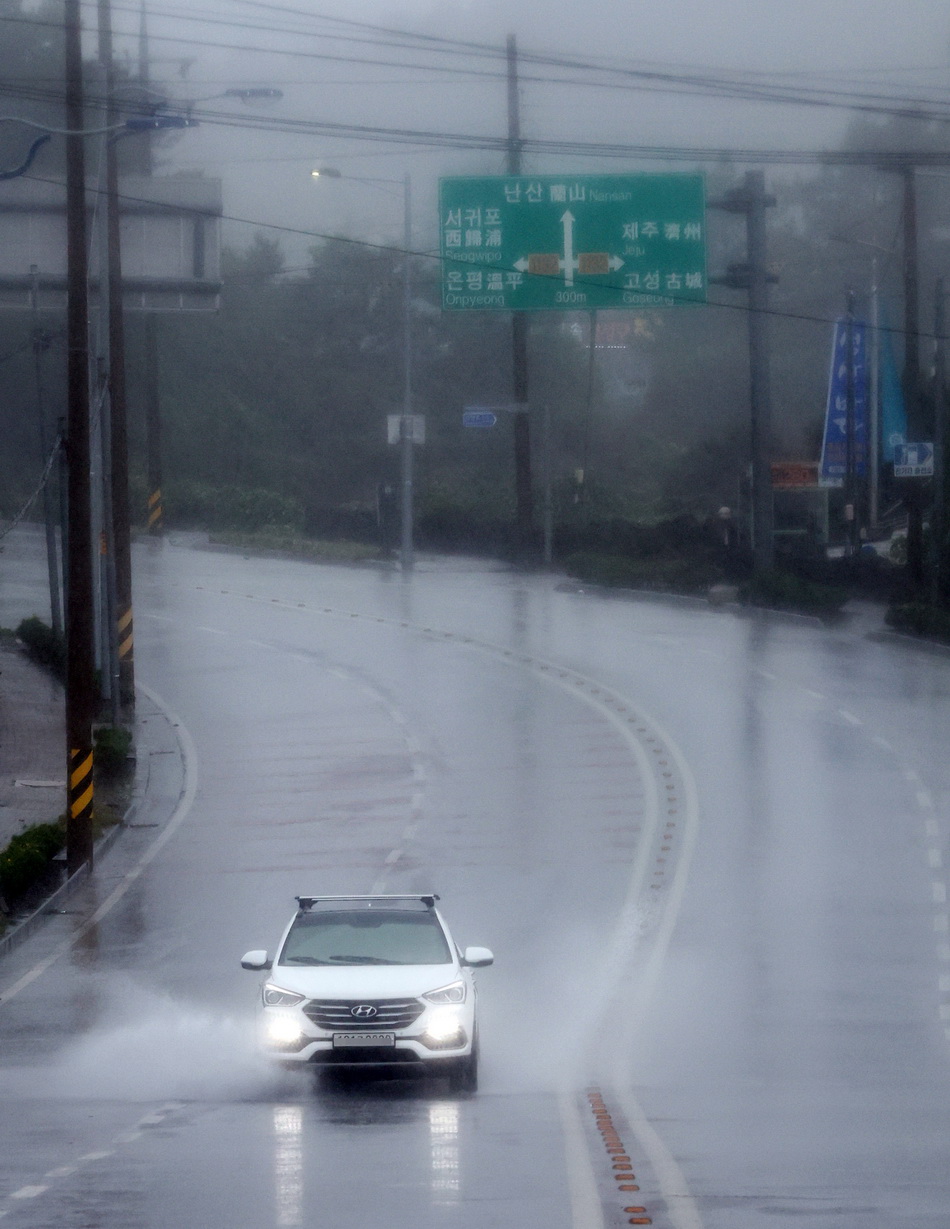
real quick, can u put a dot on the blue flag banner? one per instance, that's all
(834, 448)
(893, 414)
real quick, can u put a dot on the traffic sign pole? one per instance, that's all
(524, 499)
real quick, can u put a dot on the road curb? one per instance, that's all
(22, 931)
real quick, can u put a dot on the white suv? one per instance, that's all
(371, 981)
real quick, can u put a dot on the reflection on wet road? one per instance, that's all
(707, 851)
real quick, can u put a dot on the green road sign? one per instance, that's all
(572, 242)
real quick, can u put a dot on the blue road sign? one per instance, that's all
(479, 418)
(914, 460)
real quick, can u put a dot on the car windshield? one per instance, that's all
(365, 938)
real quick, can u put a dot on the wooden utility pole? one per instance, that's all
(753, 276)
(116, 377)
(80, 694)
(519, 335)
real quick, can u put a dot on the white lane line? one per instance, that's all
(925, 799)
(96, 1156)
(941, 923)
(212, 631)
(881, 742)
(151, 1120)
(935, 858)
(849, 717)
(945, 1011)
(182, 810)
(943, 952)
(767, 674)
(815, 695)
(940, 892)
(62, 1171)
(393, 857)
(931, 828)
(586, 1207)
(128, 1137)
(944, 983)
(409, 832)
(28, 1192)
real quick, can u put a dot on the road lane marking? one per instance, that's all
(180, 814)
(586, 1209)
(849, 717)
(28, 1192)
(935, 858)
(939, 892)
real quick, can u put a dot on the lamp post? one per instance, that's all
(406, 424)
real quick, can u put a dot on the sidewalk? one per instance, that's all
(32, 743)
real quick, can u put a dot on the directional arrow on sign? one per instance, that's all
(567, 222)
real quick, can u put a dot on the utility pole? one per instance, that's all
(115, 374)
(80, 696)
(519, 335)
(753, 276)
(153, 408)
(911, 376)
(850, 498)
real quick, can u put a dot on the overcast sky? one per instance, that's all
(871, 45)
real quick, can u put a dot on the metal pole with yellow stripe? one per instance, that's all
(79, 804)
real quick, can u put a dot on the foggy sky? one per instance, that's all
(869, 44)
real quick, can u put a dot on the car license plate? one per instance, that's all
(355, 1040)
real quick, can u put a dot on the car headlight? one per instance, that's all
(444, 1028)
(274, 996)
(283, 1029)
(453, 993)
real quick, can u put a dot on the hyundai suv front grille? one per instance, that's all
(371, 1014)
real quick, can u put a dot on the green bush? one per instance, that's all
(112, 745)
(194, 505)
(921, 619)
(43, 645)
(27, 857)
(780, 591)
(666, 574)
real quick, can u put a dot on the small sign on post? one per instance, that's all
(914, 460)
(394, 428)
(479, 418)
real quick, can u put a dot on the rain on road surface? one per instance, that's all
(706, 849)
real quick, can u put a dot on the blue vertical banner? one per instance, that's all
(893, 414)
(834, 448)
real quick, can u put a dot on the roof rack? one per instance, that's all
(307, 902)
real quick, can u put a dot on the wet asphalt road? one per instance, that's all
(707, 850)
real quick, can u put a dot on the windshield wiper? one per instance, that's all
(303, 960)
(363, 960)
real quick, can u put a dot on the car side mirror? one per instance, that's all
(477, 957)
(256, 961)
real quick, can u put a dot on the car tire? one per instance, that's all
(463, 1077)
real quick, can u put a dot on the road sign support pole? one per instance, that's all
(524, 501)
(940, 421)
(761, 397)
(406, 425)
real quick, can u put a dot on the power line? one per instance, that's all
(435, 257)
(638, 78)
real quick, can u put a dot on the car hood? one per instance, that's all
(364, 981)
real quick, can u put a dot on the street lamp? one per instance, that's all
(406, 419)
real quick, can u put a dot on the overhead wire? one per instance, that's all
(436, 257)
